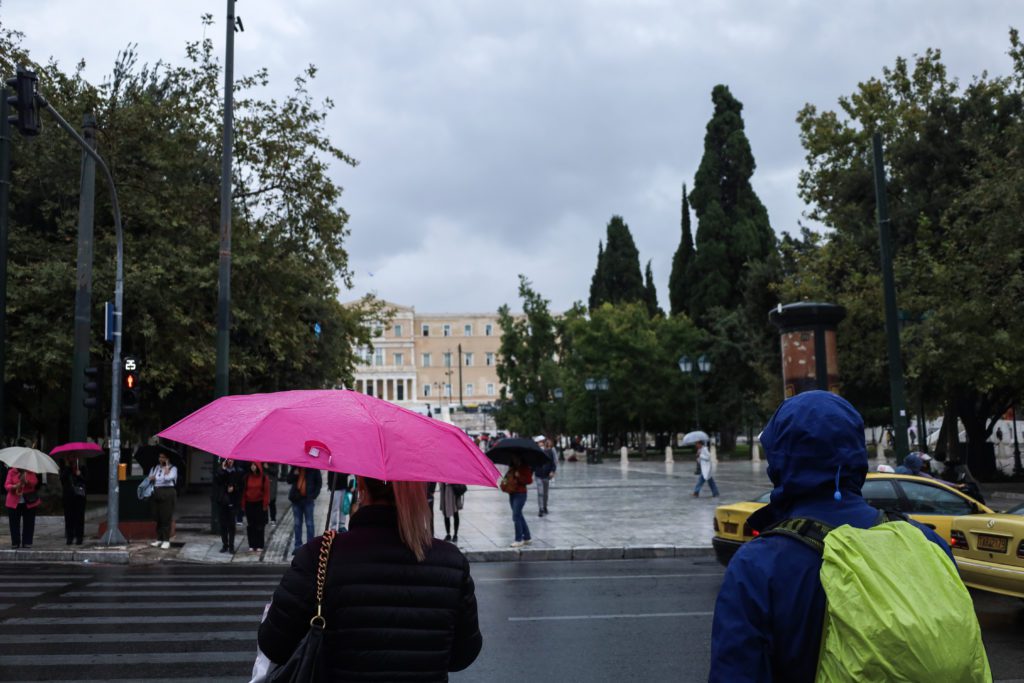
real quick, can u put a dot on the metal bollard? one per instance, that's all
(668, 455)
(624, 455)
(755, 452)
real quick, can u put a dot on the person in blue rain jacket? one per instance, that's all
(771, 606)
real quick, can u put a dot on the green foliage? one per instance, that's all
(617, 277)
(732, 223)
(954, 191)
(159, 129)
(650, 293)
(681, 279)
(528, 366)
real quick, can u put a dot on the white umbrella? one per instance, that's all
(29, 459)
(693, 437)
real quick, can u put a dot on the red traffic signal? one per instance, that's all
(131, 397)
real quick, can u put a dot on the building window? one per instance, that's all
(397, 330)
(488, 358)
(426, 391)
(488, 330)
(448, 390)
(425, 330)
(446, 330)
(399, 359)
(469, 359)
(378, 357)
(369, 388)
(490, 390)
(467, 330)
(425, 360)
(447, 357)
(469, 390)
(400, 391)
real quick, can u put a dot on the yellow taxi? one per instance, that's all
(928, 501)
(989, 551)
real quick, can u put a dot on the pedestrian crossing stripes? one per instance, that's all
(119, 624)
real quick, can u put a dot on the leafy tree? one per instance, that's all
(650, 293)
(681, 278)
(954, 189)
(159, 130)
(528, 365)
(732, 223)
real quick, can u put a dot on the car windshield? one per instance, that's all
(1016, 510)
(763, 498)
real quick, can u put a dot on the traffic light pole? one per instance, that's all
(113, 536)
(83, 289)
(5, 195)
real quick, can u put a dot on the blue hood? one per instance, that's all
(811, 437)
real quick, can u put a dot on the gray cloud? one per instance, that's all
(498, 139)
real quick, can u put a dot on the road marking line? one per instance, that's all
(201, 605)
(162, 636)
(594, 578)
(614, 616)
(128, 658)
(127, 587)
(95, 621)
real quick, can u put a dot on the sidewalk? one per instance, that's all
(604, 511)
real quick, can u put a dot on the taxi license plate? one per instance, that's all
(731, 527)
(996, 544)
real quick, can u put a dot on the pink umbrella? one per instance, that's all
(81, 449)
(337, 430)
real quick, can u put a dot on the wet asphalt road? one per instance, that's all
(546, 621)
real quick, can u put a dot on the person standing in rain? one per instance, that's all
(164, 499)
(706, 470)
(543, 474)
(306, 483)
(273, 472)
(72, 482)
(227, 492)
(452, 496)
(256, 498)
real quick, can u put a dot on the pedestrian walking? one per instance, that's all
(305, 487)
(164, 499)
(452, 498)
(515, 483)
(386, 568)
(72, 483)
(256, 499)
(273, 471)
(431, 492)
(341, 501)
(21, 503)
(227, 496)
(543, 474)
(812, 596)
(706, 467)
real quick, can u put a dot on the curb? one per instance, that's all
(588, 553)
(112, 556)
(1012, 495)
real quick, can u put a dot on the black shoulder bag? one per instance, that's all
(306, 665)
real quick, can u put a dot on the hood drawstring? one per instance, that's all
(837, 495)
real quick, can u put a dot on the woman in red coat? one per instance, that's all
(256, 500)
(518, 477)
(22, 501)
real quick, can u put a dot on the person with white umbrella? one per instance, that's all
(22, 486)
(706, 469)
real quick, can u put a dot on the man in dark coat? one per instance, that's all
(771, 606)
(306, 484)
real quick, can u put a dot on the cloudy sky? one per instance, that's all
(499, 138)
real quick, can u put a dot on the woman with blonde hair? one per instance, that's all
(398, 604)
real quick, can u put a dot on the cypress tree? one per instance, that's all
(650, 293)
(621, 266)
(732, 223)
(598, 291)
(682, 265)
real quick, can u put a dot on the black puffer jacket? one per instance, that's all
(389, 617)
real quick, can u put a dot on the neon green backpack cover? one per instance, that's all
(896, 610)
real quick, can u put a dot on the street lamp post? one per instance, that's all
(1017, 468)
(699, 366)
(596, 386)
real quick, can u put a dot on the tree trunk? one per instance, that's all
(728, 440)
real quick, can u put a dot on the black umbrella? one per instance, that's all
(528, 452)
(148, 456)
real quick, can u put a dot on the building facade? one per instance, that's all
(436, 359)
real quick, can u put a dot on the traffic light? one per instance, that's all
(25, 116)
(130, 390)
(93, 389)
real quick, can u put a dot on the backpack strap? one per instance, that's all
(812, 532)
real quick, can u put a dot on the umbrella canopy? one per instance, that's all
(693, 437)
(528, 452)
(29, 459)
(336, 430)
(79, 449)
(149, 455)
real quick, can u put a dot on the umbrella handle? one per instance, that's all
(330, 500)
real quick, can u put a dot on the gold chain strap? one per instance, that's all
(321, 578)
